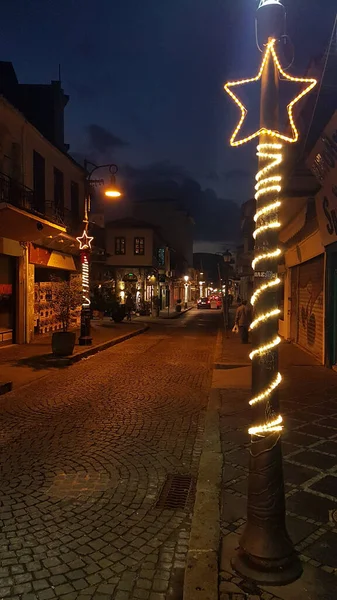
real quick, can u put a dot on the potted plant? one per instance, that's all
(117, 310)
(66, 297)
(178, 305)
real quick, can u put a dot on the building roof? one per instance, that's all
(130, 222)
(16, 110)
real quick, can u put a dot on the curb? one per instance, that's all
(177, 315)
(202, 569)
(91, 350)
(5, 387)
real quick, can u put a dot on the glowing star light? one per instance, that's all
(270, 52)
(268, 187)
(267, 2)
(85, 241)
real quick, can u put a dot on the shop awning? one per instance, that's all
(22, 226)
(294, 226)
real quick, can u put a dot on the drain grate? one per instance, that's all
(333, 516)
(177, 492)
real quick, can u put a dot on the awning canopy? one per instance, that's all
(294, 226)
(60, 242)
(22, 226)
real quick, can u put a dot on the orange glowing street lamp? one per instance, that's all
(110, 191)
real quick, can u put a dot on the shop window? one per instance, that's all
(139, 246)
(120, 245)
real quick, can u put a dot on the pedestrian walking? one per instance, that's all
(243, 320)
(129, 307)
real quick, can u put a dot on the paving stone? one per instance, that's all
(77, 574)
(22, 577)
(79, 584)
(44, 573)
(141, 594)
(120, 595)
(315, 507)
(326, 485)
(114, 437)
(296, 474)
(324, 550)
(40, 584)
(160, 585)
(51, 562)
(316, 459)
(64, 588)
(22, 588)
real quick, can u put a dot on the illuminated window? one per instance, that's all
(139, 246)
(120, 245)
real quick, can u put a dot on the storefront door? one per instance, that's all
(307, 306)
(7, 299)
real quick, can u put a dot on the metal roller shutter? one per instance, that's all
(310, 303)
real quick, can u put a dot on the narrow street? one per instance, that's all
(85, 453)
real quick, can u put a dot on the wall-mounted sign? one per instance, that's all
(5, 289)
(323, 164)
(130, 277)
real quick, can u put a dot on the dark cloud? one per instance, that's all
(155, 172)
(102, 140)
(215, 218)
(84, 91)
(237, 174)
(212, 176)
(86, 48)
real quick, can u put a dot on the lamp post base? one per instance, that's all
(266, 553)
(85, 340)
(267, 572)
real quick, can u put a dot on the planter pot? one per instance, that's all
(119, 314)
(63, 343)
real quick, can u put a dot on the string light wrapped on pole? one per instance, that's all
(266, 553)
(85, 240)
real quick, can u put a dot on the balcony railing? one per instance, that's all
(14, 193)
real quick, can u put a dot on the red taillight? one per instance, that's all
(208, 302)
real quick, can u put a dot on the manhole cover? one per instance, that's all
(177, 492)
(333, 516)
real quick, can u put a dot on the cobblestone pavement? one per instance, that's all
(24, 363)
(309, 403)
(84, 455)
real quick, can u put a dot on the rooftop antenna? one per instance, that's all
(59, 72)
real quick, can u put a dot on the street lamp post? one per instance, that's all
(227, 260)
(186, 278)
(266, 553)
(85, 240)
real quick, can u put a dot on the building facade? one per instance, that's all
(310, 238)
(140, 258)
(41, 208)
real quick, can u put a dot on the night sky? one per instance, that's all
(145, 79)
